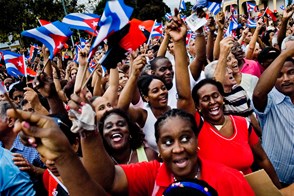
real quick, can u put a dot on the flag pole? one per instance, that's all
(150, 36)
(25, 69)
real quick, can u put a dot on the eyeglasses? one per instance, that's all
(29, 110)
(17, 97)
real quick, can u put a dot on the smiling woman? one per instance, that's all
(176, 135)
(123, 139)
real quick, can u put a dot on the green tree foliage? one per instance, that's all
(20, 15)
(143, 9)
(188, 9)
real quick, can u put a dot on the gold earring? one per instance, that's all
(159, 155)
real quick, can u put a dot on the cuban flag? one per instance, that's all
(183, 6)
(81, 21)
(157, 30)
(213, 7)
(43, 22)
(189, 36)
(168, 16)
(183, 17)
(270, 13)
(78, 47)
(250, 6)
(251, 23)
(115, 16)
(232, 26)
(15, 65)
(52, 35)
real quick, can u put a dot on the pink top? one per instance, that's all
(251, 67)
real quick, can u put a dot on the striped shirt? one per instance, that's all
(237, 102)
(277, 124)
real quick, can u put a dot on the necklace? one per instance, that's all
(197, 176)
(130, 157)
(218, 127)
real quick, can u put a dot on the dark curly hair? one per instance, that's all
(136, 134)
(238, 52)
(174, 113)
(203, 82)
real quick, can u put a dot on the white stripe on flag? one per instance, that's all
(84, 16)
(52, 28)
(74, 22)
(115, 7)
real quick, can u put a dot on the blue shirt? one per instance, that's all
(277, 123)
(12, 180)
(29, 153)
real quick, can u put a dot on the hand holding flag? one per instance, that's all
(115, 16)
(15, 65)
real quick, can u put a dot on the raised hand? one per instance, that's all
(137, 64)
(220, 20)
(176, 28)
(288, 12)
(226, 45)
(41, 132)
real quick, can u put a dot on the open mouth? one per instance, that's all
(181, 163)
(214, 111)
(116, 137)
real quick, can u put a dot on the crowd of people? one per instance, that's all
(171, 118)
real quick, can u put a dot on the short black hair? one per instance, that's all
(153, 63)
(203, 82)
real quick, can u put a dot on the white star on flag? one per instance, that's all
(19, 64)
(94, 24)
(60, 45)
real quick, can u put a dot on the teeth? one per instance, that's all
(181, 163)
(116, 135)
(214, 111)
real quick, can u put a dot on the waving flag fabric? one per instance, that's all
(183, 6)
(270, 14)
(88, 22)
(43, 22)
(52, 35)
(15, 64)
(251, 23)
(157, 29)
(168, 16)
(250, 6)
(78, 47)
(122, 42)
(232, 26)
(115, 16)
(213, 7)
